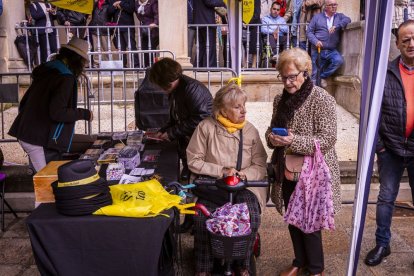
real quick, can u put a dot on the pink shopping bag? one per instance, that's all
(310, 207)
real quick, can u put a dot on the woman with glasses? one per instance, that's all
(308, 113)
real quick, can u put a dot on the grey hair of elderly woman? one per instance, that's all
(297, 56)
(227, 94)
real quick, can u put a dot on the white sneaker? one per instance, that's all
(324, 83)
(275, 57)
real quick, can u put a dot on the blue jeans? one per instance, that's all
(302, 44)
(331, 60)
(390, 168)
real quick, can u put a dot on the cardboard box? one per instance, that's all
(43, 179)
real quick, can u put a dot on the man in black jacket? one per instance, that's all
(100, 34)
(122, 13)
(73, 19)
(204, 13)
(395, 147)
(190, 103)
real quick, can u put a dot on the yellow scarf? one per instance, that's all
(231, 127)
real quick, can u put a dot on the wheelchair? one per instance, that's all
(229, 251)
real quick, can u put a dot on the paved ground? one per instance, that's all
(16, 257)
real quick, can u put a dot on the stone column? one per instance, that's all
(173, 29)
(13, 12)
(350, 8)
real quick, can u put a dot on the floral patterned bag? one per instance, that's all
(310, 207)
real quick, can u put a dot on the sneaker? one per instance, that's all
(275, 57)
(324, 83)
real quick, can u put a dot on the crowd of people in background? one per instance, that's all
(275, 25)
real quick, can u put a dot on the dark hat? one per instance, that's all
(79, 190)
(77, 173)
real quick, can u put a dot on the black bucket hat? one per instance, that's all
(77, 173)
(79, 190)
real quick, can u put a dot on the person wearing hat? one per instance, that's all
(48, 111)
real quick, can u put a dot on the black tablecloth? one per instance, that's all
(167, 165)
(96, 245)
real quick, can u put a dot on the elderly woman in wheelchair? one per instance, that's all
(215, 150)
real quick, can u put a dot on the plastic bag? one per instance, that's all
(230, 220)
(311, 205)
(144, 199)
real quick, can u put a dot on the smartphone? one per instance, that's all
(280, 131)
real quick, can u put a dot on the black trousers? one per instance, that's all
(307, 247)
(43, 45)
(148, 58)
(124, 45)
(207, 35)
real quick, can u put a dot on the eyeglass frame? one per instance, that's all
(291, 78)
(332, 5)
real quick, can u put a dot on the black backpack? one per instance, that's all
(152, 108)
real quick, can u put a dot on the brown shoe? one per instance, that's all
(290, 271)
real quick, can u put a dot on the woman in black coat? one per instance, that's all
(48, 111)
(44, 14)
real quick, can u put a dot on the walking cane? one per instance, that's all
(318, 67)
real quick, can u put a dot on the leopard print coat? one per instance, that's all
(315, 119)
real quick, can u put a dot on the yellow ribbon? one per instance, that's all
(236, 80)
(84, 181)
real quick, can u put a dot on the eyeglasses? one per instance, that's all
(291, 78)
(332, 5)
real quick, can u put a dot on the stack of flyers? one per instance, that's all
(93, 157)
(142, 171)
(151, 155)
(94, 151)
(113, 150)
(101, 144)
(134, 140)
(104, 135)
(120, 135)
(107, 158)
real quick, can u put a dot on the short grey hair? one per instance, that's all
(227, 94)
(297, 56)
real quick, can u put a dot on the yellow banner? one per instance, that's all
(83, 6)
(248, 10)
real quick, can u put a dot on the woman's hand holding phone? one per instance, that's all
(281, 140)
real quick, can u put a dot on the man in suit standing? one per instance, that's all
(204, 13)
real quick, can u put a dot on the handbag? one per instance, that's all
(310, 206)
(293, 166)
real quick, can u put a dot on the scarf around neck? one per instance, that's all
(286, 108)
(141, 8)
(231, 127)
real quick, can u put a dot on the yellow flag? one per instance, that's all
(248, 10)
(83, 6)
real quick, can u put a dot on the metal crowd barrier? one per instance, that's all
(197, 33)
(263, 51)
(109, 93)
(105, 37)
